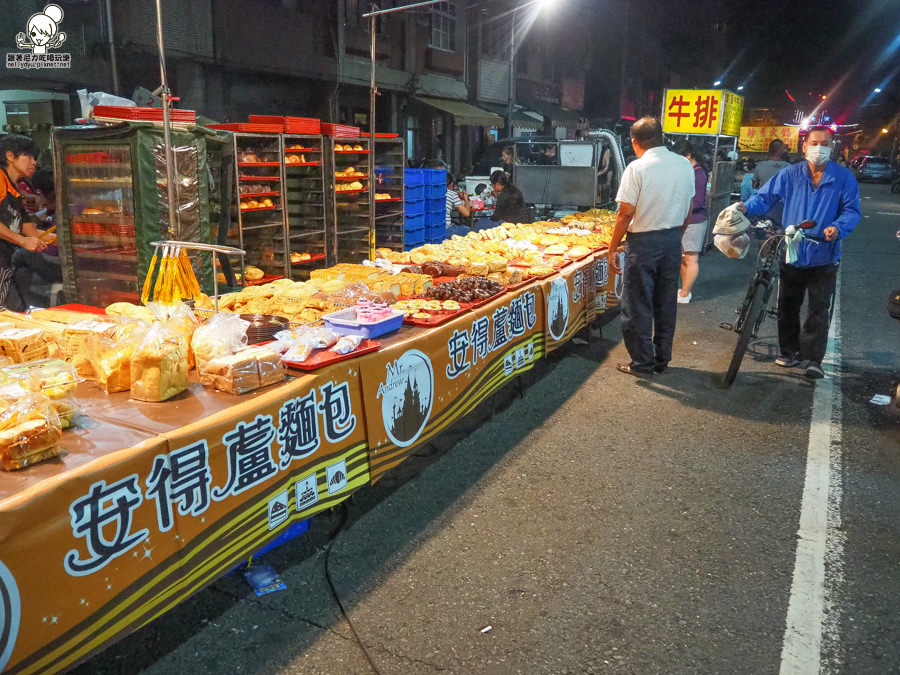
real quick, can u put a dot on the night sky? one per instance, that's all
(840, 48)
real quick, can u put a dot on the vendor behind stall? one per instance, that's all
(18, 159)
(510, 206)
(37, 271)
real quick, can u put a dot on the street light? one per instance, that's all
(717, 83)
(884, 131)
(876, 90)
(740, 87)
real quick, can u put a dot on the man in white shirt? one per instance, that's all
(655, 199)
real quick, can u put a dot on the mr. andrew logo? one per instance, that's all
(41, 34)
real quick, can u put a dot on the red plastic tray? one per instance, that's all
(260, 208)
(350, 192)
(340, 130)
(255, 178)
(484, 301)
(290, 164)
(247, 195)
(313, 258)
(351, 152)
(436, 318)
(351, 178)
(250, 128)
(524, 282)
(266, 279)
(259, 163)
(76, 307)
(392, 199)
(378, 134)
(302, 150)
(325, 357)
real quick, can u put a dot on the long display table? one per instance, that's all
(151, 502)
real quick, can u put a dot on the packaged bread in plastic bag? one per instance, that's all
(182, 320)
(222, 335)
(29, 432)
(159, 365)
(243, 371)
(111, 356)
(54, 378)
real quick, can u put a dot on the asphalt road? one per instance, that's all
(599, 523)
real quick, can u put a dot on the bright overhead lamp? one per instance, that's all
(717, 83)
(740, 87)
(876, 90)
(884, 131)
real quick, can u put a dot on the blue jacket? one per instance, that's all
(835, 202)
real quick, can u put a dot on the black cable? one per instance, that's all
(334, 592)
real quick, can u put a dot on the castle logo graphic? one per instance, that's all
(558, 308)
(406, 397)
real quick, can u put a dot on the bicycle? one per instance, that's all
(755, 307)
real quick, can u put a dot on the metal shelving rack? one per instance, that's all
(350, 227)
(304, 199)
(262, 231)
(390, 153)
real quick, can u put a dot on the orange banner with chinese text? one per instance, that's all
(757, 139)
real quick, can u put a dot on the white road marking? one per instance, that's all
(817, 566)
(888, 213)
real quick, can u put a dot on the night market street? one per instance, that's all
(605, 524)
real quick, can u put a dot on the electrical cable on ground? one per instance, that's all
(337, 598)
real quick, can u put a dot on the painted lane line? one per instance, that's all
(817, 565)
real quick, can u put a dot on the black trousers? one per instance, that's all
(817, 285)
(649, 304)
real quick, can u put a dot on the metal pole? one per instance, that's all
(371, 163)
(377, 12)
(114, 67)
(167, 137)
(512, 74)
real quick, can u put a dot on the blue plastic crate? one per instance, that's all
(414, 238)
(432, 219)
(414, 208)
(436, 232)
(436, 205)
(436, 177)
(413, 177)
(386, 175)
(415, 193)
(414, 222)
(436, 191)
(294, 530)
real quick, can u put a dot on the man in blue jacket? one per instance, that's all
(827, 193)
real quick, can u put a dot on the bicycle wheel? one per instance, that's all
(753, 311)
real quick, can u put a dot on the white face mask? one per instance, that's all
(818, 154)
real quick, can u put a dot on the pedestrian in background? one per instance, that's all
(827, 193)
(655, 204)
(695, 233)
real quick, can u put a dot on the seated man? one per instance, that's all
(37, 271)
(457, 203)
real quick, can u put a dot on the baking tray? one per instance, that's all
(326, 357)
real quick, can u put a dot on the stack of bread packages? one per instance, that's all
(30, 427)
(226, 363)
(54, 378)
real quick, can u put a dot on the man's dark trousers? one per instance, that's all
(649, 304)
(817, 283)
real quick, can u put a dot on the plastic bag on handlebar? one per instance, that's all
(730, 221)
(733, 245)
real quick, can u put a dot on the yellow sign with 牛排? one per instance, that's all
(702, 112)
(757, 139)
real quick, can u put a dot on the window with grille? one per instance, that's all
(443, 26)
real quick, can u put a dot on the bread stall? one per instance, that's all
(160, 447)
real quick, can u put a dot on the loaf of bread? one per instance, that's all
(77, 336)
(23, 344)
(159, 366)
(27, 443)
(243, 371)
